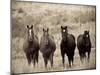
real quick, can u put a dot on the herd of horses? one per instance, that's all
(47, 46)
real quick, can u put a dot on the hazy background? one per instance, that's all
(52, 16)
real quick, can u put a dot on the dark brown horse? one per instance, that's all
(67, 45)
(47, 47)
(31, 46)
(84, 45)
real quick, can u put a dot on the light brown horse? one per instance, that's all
(47, 47)
(31, 46)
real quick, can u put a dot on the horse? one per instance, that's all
(84, 45)
(47, 47)
(67, 46)
(31, 46)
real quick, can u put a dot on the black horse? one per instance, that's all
(84, 45)
(47, 47)
(31, 46)
(67, 45)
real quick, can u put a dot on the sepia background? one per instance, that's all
(77, 17)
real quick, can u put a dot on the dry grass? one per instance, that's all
(52, 16)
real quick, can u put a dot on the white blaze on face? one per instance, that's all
(63, 30)
(86, 35)
(30, 32)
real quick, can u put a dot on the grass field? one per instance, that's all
(77, 18)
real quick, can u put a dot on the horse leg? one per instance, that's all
(72, 60)
(37, 54)
(69, 60)
(45, 61)
(28, 58)
(81, 59)
(34, 62)
(34, 57)
(51, 59)
(72, 57)
(84, 56)
(63, 58)
(81, 56)
(88, 56)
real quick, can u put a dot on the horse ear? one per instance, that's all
(27, 26)
(61, 27)
(31, 26)
(47, 29)
(88, 31)
(66, 27)
(43, 29)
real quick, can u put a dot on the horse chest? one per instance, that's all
(30, 45)
(64, 44)
(86, 45)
